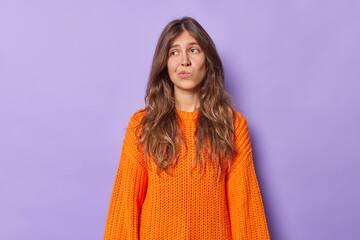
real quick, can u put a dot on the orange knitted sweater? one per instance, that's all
(144, 206)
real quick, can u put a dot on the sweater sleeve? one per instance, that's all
(247, 215)
(128, 192)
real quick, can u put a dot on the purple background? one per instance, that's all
(73, 72)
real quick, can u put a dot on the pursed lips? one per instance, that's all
(184, 74)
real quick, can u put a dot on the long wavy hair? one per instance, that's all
(160, 133)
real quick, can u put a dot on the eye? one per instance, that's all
(195, 50)
(172, 53)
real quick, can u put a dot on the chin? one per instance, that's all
(187, 87)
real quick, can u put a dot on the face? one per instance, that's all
(186, 63)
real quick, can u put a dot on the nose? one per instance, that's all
(185, 61)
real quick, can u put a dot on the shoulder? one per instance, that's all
(136, 117)
(240, 121)
(242, 135)
(238, 118)
(241, 130)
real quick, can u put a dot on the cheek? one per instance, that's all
(171, 65)
(200, 63)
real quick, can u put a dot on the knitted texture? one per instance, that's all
(145, 206)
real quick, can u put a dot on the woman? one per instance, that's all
(188, 123)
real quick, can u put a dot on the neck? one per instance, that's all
(187, 101)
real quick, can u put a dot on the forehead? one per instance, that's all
(184, 38)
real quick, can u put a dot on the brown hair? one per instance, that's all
(214, 136)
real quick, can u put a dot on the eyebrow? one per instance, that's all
(177, 45)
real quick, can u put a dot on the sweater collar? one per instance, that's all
(187, 115)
